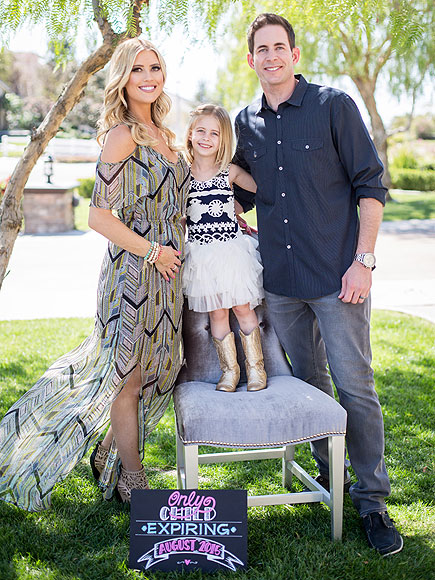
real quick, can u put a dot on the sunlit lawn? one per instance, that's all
(83, 538)
(408, 206)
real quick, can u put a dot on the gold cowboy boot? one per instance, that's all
(226, 350)
(254, 363)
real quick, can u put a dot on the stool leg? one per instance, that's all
(287, 475)
(336, 481)
(181, 463)
(191, 466)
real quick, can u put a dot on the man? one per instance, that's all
(314, 163)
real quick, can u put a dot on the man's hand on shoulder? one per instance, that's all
(118, 144)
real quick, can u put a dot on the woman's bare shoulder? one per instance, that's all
(118, 144)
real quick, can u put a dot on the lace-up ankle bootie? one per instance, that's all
(98, 459)
(129, 480)
(226, 350)
(255, 372)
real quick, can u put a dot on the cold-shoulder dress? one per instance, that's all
(138, 322)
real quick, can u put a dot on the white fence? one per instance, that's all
(59, 149)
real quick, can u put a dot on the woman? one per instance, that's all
(127, 367)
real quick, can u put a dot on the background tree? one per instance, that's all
(358, 39)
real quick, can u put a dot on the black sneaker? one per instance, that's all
(324, 482)
(382, 534)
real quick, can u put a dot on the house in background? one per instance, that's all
(179, 115)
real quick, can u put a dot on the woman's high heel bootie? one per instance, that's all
(98, 459)
(129, 480)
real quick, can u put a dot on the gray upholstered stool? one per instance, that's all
(268, 423)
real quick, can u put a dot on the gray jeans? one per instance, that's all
(326, 330)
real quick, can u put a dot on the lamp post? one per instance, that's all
(48, 168)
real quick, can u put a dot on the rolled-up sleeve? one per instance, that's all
(356, 149)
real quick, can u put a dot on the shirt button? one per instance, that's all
(307, 146)
(288, 246)
(282, 194)
(279, 142)
(280, 168)
(286, 221)
(278, 116)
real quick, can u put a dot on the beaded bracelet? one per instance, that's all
(155, 253)
(147, 255)
(160, 252)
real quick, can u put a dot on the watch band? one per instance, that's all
(367, 259)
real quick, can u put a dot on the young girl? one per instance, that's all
(222, 268)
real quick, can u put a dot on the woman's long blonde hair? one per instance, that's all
(226, 142)
(116, 109)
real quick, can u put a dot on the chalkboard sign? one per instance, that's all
(188, 529)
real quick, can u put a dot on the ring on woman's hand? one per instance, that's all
(362, 297)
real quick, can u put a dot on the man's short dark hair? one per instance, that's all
(264, 20)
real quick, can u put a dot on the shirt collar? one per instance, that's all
(295, 98)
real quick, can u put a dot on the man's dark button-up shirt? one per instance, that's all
(312, 160)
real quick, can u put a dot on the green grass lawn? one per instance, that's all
(406, 206)
(81, 215)
(83, 538)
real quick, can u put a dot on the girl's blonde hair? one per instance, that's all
(116, 109)
(226, 141)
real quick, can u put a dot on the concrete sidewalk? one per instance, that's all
(57, 275)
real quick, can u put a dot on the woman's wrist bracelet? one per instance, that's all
(154, 253)
(160, 253)
(147, 255)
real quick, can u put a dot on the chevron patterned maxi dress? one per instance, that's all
(138, 321)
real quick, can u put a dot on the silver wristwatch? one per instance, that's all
(367, 259)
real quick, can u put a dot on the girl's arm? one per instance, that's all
(242, 178)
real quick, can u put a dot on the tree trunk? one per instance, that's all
(366, 88)
(10, 210)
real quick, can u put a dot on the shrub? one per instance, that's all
(424, 127)
(86, 187)
(405, 160)
(417, 179)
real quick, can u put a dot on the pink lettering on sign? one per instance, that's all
(180, 545)
(193, 505)
(210, 548)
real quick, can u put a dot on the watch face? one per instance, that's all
(369, 260)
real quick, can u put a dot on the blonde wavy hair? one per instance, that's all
(116, 109)
(226, 141)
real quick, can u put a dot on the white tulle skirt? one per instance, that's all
(223, 274)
